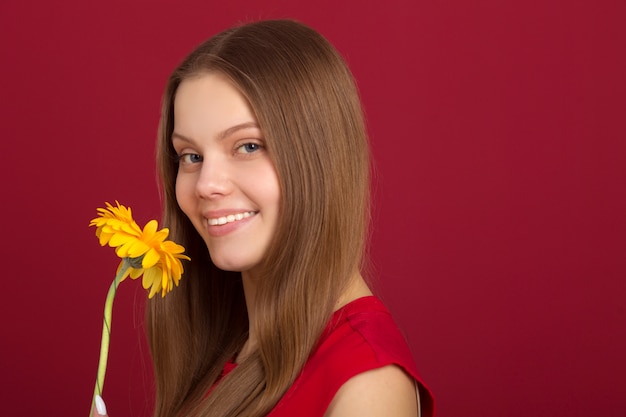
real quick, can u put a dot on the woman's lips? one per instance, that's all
(223, 223)
(230, 218)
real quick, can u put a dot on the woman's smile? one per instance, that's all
(230, 218)
(226, 224)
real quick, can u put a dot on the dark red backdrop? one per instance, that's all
(500, 213)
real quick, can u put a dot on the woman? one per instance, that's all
(264, 161)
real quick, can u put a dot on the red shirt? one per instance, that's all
(360, 337)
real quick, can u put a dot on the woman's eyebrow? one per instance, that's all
(222, 135)
(247, 125)
(181, 137)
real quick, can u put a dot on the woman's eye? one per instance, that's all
(248, 148)
(190, 158)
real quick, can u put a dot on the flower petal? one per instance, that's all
(150, 258)
(136, 272)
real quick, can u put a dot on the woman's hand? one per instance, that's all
(99, 409)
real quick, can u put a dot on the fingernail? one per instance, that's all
(102, 409)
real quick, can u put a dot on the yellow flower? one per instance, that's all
(145, 251)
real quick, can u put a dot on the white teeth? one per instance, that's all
(219, 221)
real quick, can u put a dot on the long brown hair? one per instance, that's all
(307, 105)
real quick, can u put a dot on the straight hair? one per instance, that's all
(307, 106)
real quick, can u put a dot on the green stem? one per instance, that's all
(106, 333)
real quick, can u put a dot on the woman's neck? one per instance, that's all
(356, 288)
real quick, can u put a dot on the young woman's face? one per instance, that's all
(226, 182)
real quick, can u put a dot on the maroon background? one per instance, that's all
(499, 239)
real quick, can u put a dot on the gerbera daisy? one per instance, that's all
(145, 251)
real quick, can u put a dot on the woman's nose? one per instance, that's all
(213, 180)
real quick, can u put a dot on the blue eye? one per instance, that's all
(248, 148)
(189, 158)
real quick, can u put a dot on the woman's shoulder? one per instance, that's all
(360, 337)
(386, 391)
